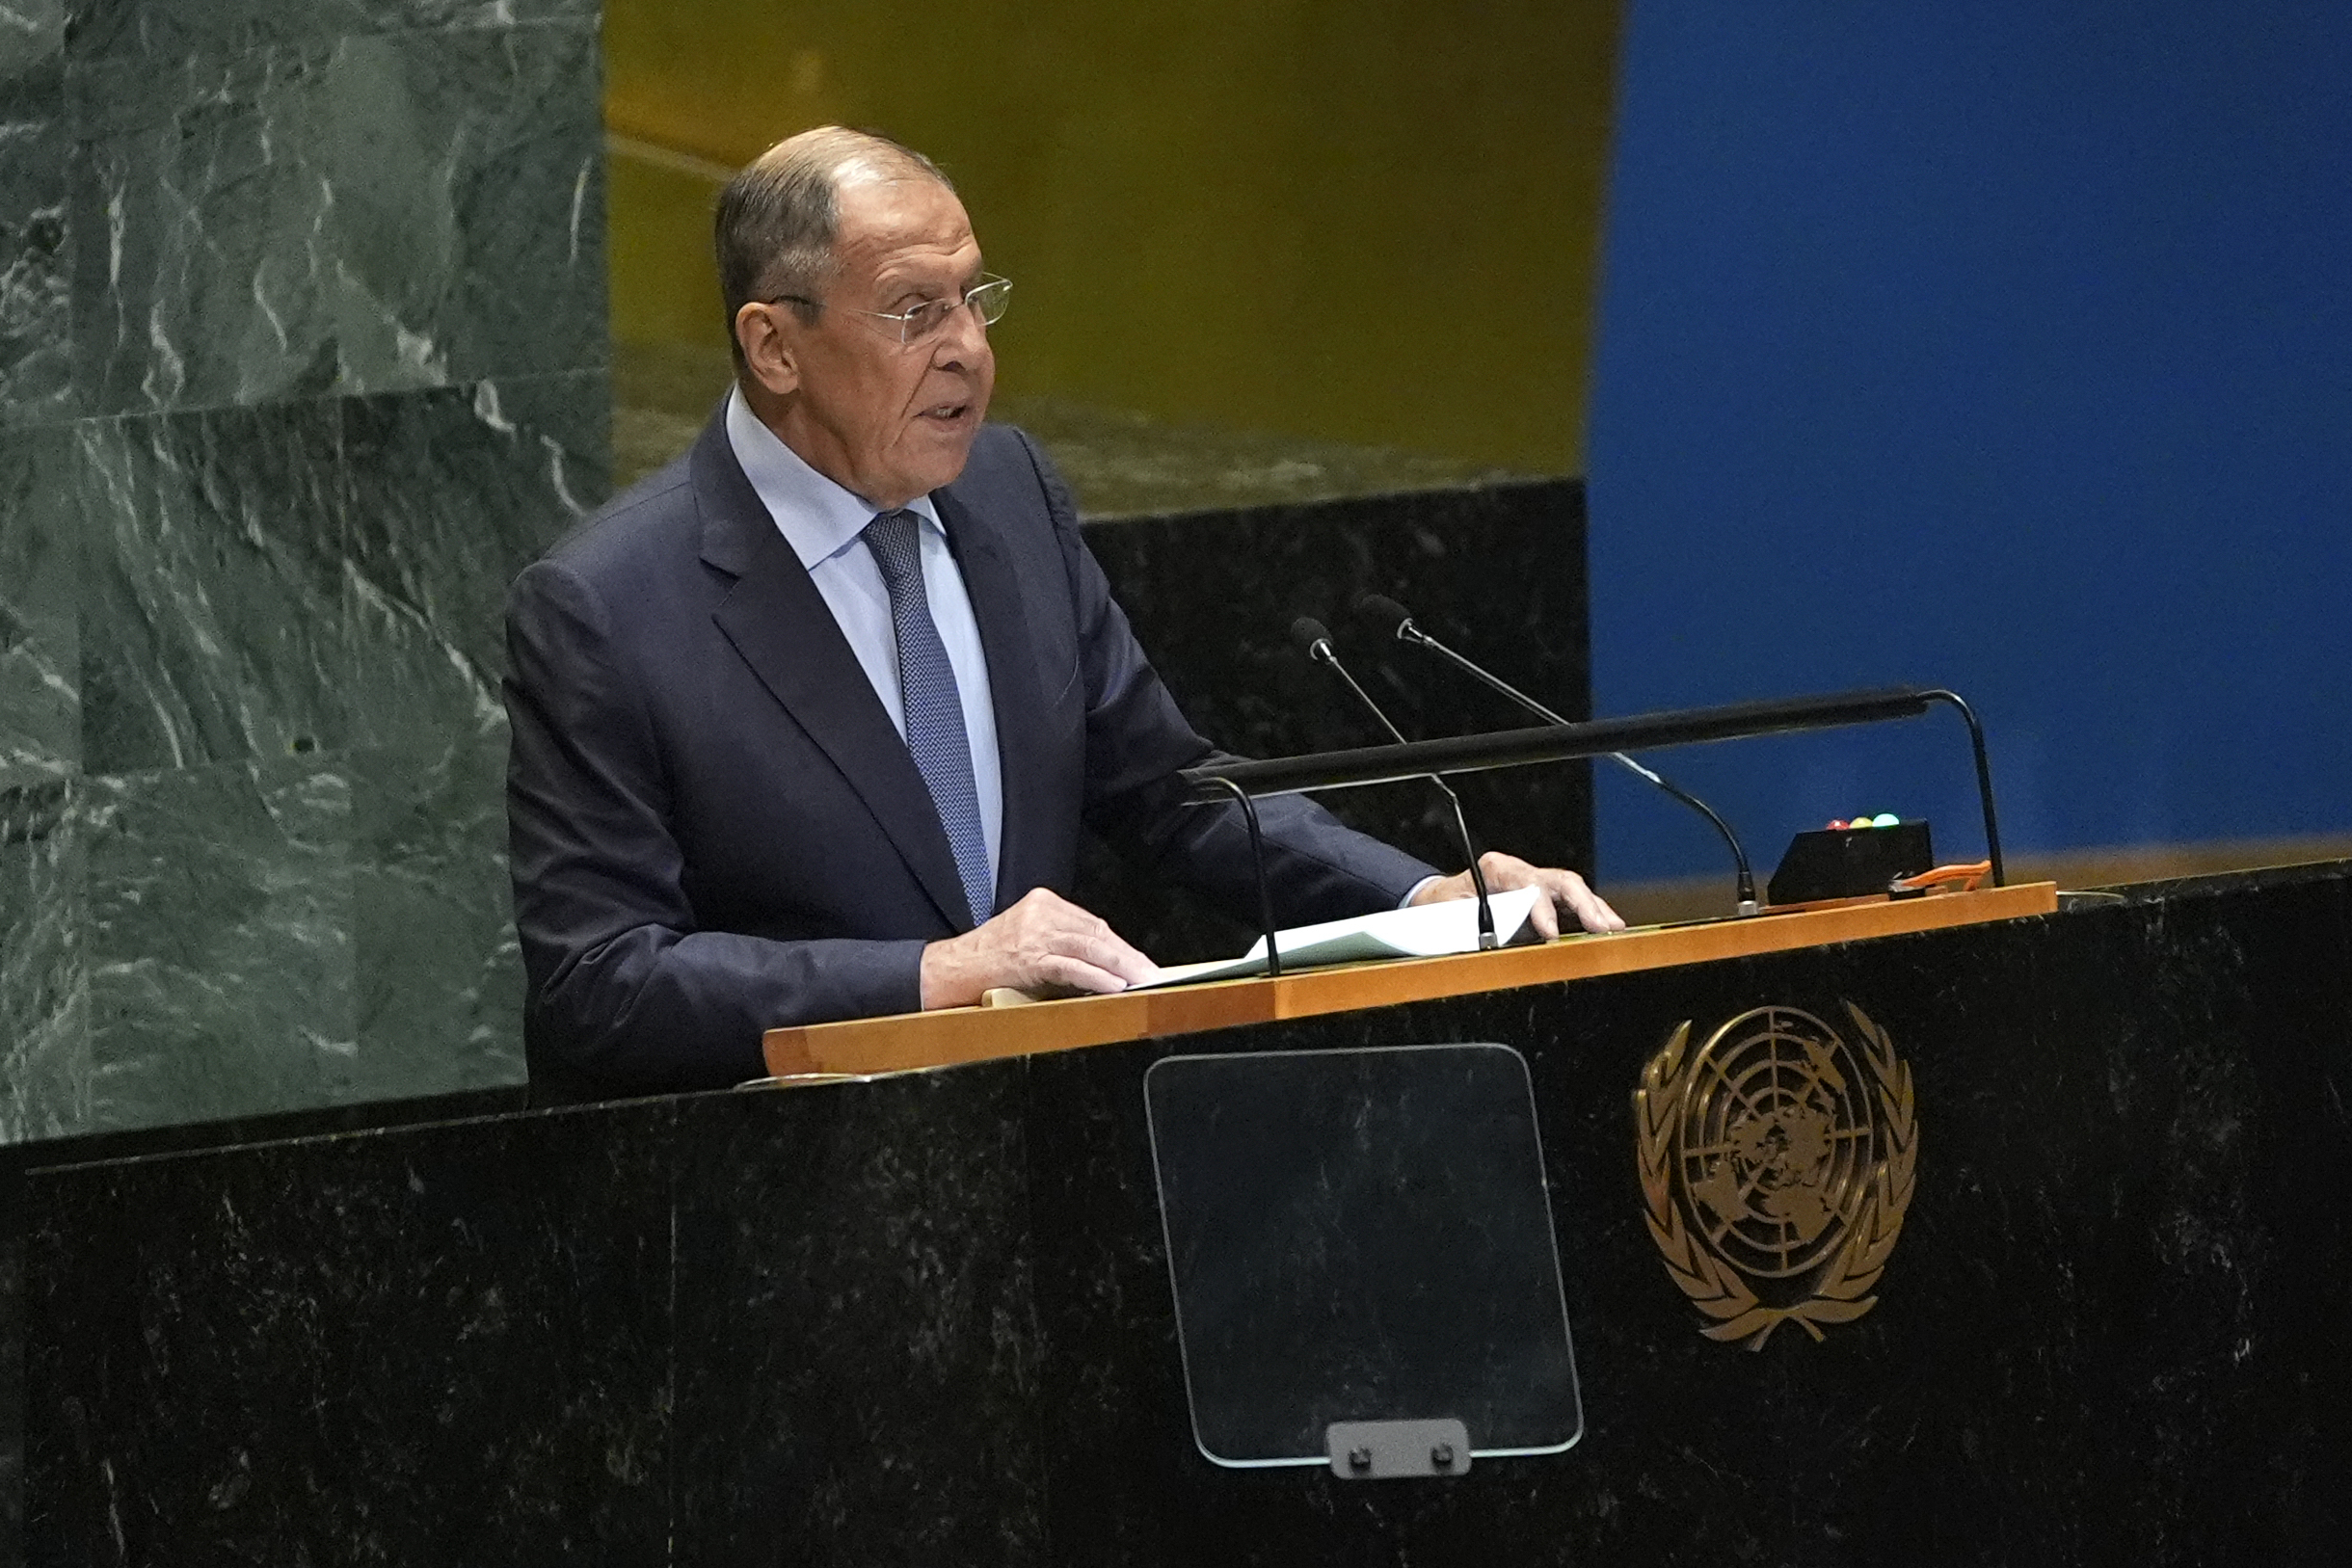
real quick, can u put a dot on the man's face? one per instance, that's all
(884, 420)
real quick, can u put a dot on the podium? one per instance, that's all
(913, 1040)
(1965, 1229)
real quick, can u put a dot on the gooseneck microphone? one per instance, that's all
(1399, 622)
(1315, 638)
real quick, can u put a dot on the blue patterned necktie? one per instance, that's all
(935, 707)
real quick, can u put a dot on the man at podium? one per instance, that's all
(806, 725)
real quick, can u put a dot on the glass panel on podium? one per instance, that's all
(1361, 1237)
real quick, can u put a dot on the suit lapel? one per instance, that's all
(995, 591)
(782, 628)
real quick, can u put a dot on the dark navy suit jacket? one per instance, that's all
(716, 828)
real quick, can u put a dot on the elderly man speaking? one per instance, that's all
(806, 725)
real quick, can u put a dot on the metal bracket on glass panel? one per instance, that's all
(1385, 1450)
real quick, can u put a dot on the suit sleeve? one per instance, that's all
(1317, 868)
(625, 993)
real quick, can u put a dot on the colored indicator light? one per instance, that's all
(1887, 820)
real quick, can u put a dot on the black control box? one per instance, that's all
(1849, 863)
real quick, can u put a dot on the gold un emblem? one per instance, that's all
(1775, 1167)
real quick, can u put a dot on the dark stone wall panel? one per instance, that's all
(36, 300)
(1496, 571)
(925, 1317)
(337, 216)
(203, 197)
(857, 1338)
(40, 716)
(220, 941)
(437, 983)
(474, 1369)
(149, 29)
(451, 493)
(211, 606)
(44, 984)
(329, 281)
(469, 206)
(12, 1364)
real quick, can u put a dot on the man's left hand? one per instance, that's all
(1561, 889)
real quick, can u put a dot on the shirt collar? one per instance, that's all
(816, 516)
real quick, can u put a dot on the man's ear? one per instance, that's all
(770, 346)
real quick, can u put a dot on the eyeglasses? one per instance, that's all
(987, 298)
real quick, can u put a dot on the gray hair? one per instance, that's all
(780, 214)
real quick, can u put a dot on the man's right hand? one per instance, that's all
(1043, 941)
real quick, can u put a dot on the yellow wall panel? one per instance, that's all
(1374, 223)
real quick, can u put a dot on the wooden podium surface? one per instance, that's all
(972, 1034)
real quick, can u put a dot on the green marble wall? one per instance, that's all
(303, 354)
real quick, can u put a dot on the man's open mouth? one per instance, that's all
(948, 414)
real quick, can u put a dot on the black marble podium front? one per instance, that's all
(927, 1319)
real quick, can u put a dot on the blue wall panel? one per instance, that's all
(2006, 346)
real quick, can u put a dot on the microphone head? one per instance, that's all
(1310, 634)
(1392, 616)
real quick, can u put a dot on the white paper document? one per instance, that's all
(1421, 931)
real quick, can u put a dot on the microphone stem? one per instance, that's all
(1411, 633)
(1487, 936)
(1747, 877)
(1983, 782)
(1407, 631)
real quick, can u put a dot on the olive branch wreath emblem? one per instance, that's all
(1840, 1287)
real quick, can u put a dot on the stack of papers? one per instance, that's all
(1422, 931)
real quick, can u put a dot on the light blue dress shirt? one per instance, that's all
(822, 524)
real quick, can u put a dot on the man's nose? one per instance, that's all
(963, 340)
